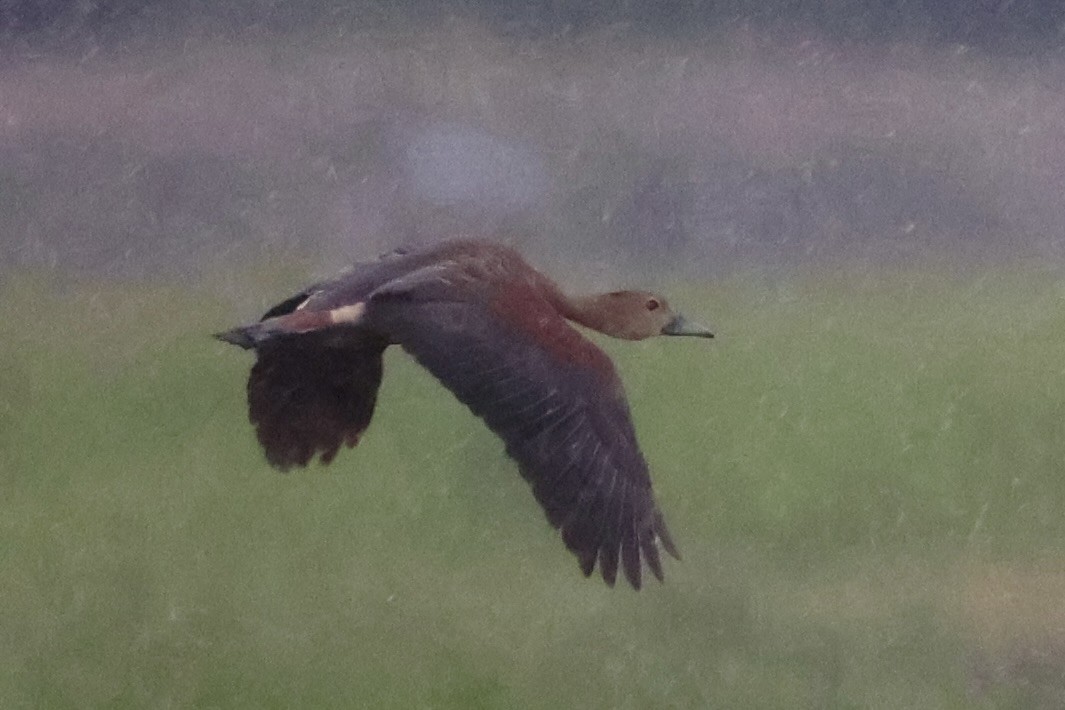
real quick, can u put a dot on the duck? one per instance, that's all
(501, 336)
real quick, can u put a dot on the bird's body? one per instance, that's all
(494, 331)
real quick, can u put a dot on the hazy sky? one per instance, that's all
(142, 138)
(1009, 25)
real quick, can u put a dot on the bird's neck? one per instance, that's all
(593, 312)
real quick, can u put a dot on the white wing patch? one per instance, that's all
(348, 314)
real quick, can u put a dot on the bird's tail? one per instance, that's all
(296, 323)
(245, 336)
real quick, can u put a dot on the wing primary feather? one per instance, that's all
(547, 492)
(582, 528)
(602, 516)
(663, 535)
(609, 547)
(630, 551)
(329, 454)
(650, 552)
(564, 485)
(586, 559)
(589, 491)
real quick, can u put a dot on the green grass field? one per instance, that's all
(864, 473)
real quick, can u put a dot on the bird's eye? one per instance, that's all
(653, 304)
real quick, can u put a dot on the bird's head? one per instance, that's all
(635, 315)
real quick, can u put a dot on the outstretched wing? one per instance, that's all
(555, 400)
(308, 396)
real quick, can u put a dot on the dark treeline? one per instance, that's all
(1008, 26)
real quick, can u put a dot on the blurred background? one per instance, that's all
(864, 470)
(147, 139)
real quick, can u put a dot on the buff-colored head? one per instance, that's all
(635, 315)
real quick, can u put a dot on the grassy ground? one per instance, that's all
(863, 471)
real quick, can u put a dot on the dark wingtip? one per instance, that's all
(664, 537)
(608, 564)
(328, 455)
(587, 562)
(650, 554)
(630, 550)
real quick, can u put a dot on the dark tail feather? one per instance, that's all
(296, 323)
(242, 337)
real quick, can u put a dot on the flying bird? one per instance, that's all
(497, 333)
